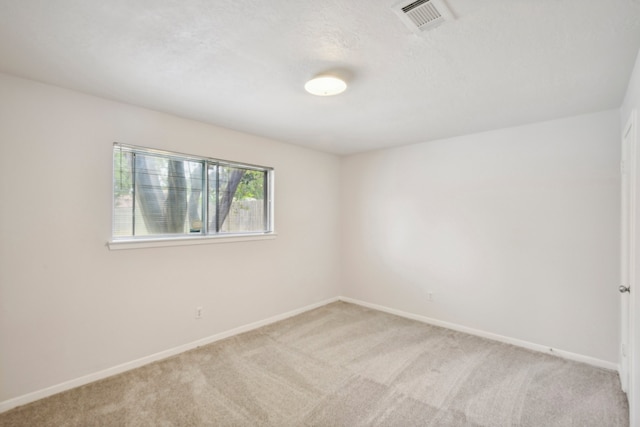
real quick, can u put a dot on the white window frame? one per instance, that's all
(134, 242)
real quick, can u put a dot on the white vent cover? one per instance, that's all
(422, 15)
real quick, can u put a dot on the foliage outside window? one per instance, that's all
(159, 194)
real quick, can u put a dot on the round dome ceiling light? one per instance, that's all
(324, 85)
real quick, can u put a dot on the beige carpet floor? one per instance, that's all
(344, 365)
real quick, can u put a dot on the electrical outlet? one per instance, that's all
(198, 312)
(428, 295)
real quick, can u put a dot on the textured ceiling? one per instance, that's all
(242, 64)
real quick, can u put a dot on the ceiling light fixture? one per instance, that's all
(325, 85)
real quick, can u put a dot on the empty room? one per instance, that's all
(319, 213)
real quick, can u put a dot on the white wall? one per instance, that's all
(515, 231)
(631, 103)
(70, 307)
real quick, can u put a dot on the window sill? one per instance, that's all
(186, 241)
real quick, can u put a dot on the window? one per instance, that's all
(162, 195)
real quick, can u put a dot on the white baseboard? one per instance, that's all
(495, 337)
(68, 385)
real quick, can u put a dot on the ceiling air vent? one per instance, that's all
(422, 15)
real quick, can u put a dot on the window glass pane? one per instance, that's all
(156, 195)
(236, 199)
(247, 211)
(228, 181)
(196, 181)
(122, 194)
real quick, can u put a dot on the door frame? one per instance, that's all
(630, 367)
(627, 215)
